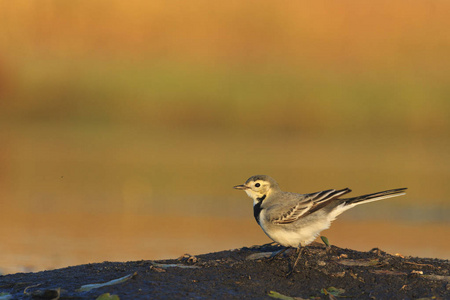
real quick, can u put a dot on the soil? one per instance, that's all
(246, 273)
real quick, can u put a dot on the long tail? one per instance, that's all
(374, 197)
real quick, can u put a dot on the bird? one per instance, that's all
(295, 220)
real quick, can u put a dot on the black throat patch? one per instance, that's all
(257, 208)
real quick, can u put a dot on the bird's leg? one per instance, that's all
(299, 252)
(275, 254)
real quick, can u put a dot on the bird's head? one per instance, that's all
(258, 187)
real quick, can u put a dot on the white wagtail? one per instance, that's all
(295, 220)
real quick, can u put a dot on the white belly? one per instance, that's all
(288, 236)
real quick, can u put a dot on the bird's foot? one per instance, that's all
(288, 274)
(299, 252)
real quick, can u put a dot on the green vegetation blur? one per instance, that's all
(125, 105)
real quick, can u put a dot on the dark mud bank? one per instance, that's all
(243, 274)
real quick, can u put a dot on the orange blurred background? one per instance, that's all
(124, 125)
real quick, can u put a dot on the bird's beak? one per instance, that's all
(241, 187)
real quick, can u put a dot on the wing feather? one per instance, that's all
(308, 204)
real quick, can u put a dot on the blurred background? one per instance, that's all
(125, 124)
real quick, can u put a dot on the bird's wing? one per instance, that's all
(308, 204)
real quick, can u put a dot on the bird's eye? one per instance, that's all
(257, 185)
